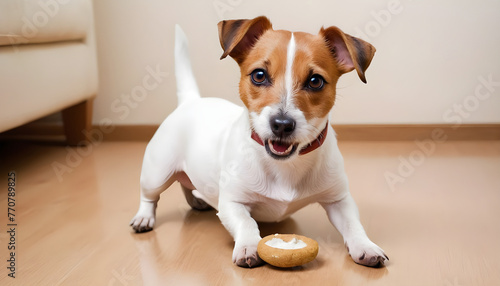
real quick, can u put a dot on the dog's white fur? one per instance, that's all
(209, 140)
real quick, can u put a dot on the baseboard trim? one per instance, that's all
(131, 133)
(417, 132)
(362, 132)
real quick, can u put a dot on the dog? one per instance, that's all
(270, 158)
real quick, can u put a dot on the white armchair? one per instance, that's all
(47, 63)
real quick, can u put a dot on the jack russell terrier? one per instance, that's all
(276, 155)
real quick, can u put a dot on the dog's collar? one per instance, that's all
(315, 144)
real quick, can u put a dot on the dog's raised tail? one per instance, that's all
(187, 89)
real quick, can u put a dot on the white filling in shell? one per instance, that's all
(292, 244)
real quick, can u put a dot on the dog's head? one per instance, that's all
(288, 80)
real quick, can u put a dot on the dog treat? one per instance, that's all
(287, 250)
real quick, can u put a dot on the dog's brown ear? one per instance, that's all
(349, 52)
(237, 37)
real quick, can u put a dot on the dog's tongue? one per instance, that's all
(280, 147)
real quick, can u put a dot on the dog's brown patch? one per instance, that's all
(268, 54)
(312, 56)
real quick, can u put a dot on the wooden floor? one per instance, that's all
(436, 215)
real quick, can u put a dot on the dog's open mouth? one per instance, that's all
(279, 149)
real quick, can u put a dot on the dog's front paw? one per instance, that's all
(246, 256)
(366, 253)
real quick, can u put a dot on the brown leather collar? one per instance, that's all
(309, 148)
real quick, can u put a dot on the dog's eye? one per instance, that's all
(316, 82)
(259, 77)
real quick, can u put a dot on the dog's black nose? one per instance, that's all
(282, 125)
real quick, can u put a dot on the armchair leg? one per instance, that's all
(77, 121)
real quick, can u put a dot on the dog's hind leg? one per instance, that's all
(194, 202)
(157, 174)
(145, 218)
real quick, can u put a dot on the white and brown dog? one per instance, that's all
(264, 161)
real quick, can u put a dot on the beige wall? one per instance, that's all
(433, 57)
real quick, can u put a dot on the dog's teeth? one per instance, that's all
(286, 152)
